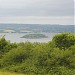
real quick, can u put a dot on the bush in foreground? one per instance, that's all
(64, 40)
(41, 58)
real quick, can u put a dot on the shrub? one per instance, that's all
(40, 58)
(64, 40)
(17, 55)
(5, 46)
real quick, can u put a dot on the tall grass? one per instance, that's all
(10, 73)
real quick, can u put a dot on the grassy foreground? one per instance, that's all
(10, 73)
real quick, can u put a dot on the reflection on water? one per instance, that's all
(16, 37)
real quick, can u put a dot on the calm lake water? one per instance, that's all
(14, 32)
(16, 37)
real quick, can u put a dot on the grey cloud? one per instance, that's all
(37, 8)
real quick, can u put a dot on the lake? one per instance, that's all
(16, 37)
(14, 32)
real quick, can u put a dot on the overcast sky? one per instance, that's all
(37, 11)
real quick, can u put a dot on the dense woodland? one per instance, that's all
(57, 57)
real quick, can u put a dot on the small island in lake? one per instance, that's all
(34, 36)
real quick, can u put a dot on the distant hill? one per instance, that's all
(38, 28)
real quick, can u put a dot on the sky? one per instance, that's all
(37, 11)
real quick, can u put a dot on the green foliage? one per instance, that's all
(64, 40)
(40, 58)
(5, 46)
(17, 55)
